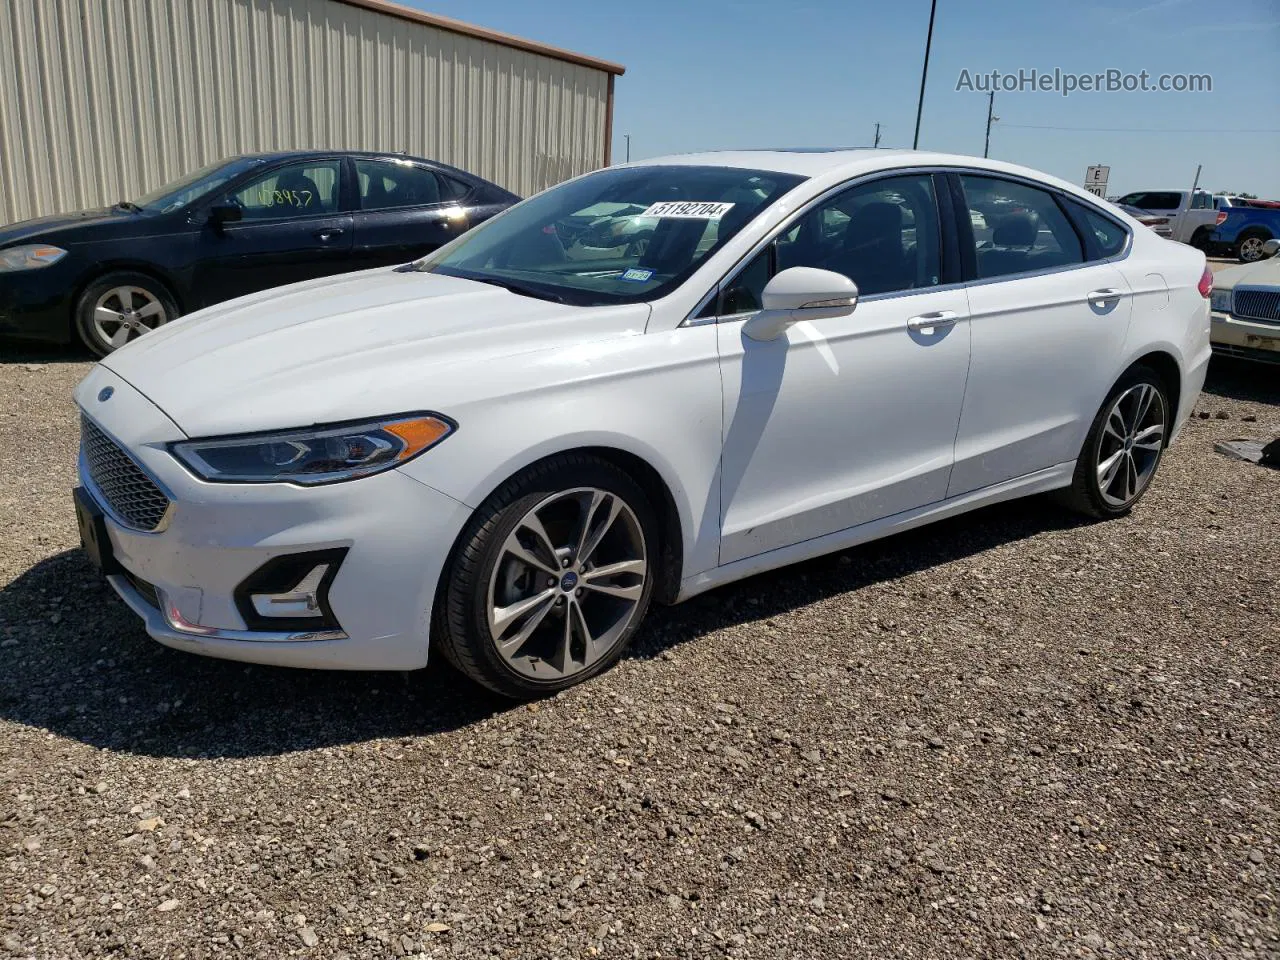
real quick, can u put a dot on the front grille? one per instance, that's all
(130, 494)
(1261, 305)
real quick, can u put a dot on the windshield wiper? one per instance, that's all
(128, 205)
(520, 289)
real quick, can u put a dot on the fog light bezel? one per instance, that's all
(280, 575)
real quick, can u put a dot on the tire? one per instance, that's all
(1249, 249)
(583, 623)
(1088, 494)
(136, 302)
(1200, 239)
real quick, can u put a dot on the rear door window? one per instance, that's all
(387, 184)
(1022, 230)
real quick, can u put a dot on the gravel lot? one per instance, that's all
(1013, 734)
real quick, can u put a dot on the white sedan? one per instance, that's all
(508, 453)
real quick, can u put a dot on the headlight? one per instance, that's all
(1220, 300)
(315, 455)
(29, 257)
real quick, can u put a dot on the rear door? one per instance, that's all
(405, 210)
(1049, 313)
(293, 227)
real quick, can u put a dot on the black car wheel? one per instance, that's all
(119, 307)
(551, 579)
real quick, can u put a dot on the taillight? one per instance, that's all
(1222, 215)
(1206, 283)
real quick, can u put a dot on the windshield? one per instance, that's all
(193, 186)
(617, 236)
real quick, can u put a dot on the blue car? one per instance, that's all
(232, 228)
(1243, 233)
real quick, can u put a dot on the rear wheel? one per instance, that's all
(119, 307)
(1200, 239)
(1251, 242)
(551, 579)
(1123, 448)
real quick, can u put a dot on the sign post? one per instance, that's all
(1095, 180)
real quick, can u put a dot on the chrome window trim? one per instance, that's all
(86, 481)
(693, 320)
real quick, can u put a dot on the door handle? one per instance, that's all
(930, 321)
(1105, 295)
(328, 233)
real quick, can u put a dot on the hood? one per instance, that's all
(339, 348)
(48, 229)
(1265, 273)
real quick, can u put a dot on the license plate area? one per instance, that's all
(94, 540)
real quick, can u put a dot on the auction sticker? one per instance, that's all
(638, 275)
(688, 210)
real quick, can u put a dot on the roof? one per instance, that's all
(484, 33)
(841, 163)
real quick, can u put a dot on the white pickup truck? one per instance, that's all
(1186, 212)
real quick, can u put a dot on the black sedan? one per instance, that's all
(231, 228)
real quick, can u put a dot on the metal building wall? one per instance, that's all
(102, 100)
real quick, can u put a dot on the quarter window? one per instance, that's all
(385, 184)
(1104, 236)
(296, 190)
(1017, 228)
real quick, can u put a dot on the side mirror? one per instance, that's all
(801, 293)
(1271, 248)
(225, 213)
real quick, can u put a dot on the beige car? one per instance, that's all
(1246, 309)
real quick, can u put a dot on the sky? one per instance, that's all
(705, 74)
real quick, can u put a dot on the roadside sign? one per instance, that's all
(1095, 180)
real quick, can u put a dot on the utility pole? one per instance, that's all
(924, 74)
(627, 137)
(991, 118)
(876, 145)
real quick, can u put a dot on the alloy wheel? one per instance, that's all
(1131, 444)
(568, 581)
(1251, 249)
(126, 313)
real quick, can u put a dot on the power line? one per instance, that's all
(1036, 126)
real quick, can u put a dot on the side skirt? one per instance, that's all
(1042, 481)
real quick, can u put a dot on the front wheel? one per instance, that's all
(119, 307)
(551, 578)
(1123, 448)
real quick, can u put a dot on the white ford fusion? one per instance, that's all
(507, 450)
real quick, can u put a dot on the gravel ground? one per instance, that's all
(1012, 734)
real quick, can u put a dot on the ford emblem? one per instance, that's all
(105, 394)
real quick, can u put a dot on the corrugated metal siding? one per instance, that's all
(102, 100)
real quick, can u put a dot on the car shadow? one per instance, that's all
(76, 662)
(1243, 380)
(26, 352)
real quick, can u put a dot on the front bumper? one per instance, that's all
(36, 304)
(397, 533)
(1250, 339)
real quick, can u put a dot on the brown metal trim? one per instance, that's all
(608, 124)
(483, 33)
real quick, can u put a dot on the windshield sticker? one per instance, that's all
(637, 274)
(688, 210)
